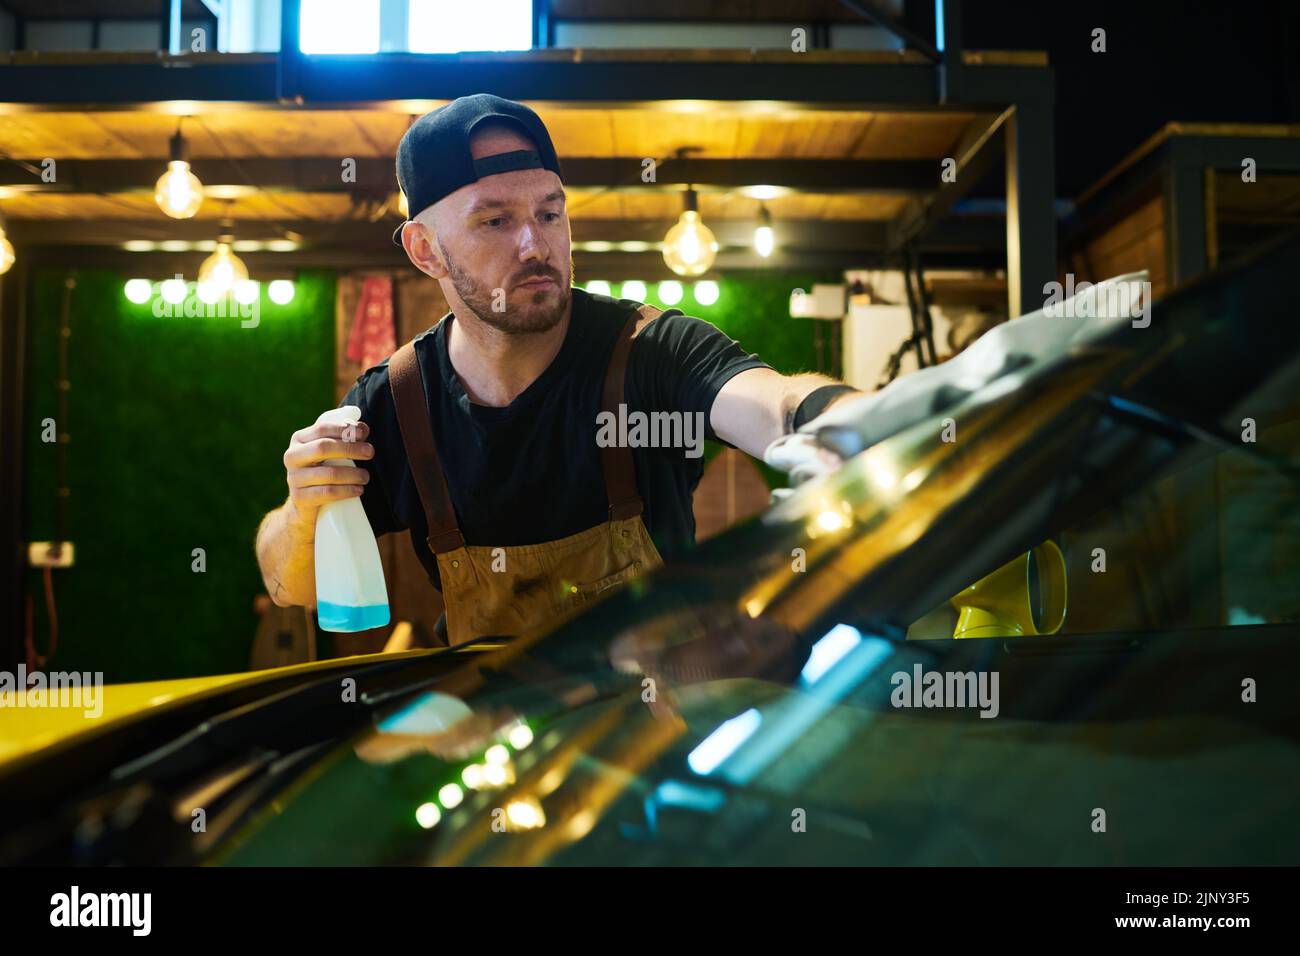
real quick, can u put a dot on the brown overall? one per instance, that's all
(525, 590)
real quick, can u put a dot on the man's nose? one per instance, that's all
(532, 245)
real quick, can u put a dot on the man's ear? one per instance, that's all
(422, 249)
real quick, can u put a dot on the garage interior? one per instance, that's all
(913, 180)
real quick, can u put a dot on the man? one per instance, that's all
(490, 436)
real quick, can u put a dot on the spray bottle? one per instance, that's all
(350, 590)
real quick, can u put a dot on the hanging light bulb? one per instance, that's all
(689, 247)
(223, 270)
(178, 192)
(764, 238)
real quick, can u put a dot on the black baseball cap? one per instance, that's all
(433, 158)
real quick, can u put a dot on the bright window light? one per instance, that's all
(340, 26)
(436, 26)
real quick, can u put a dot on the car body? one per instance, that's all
(763, 699)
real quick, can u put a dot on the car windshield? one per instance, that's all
(791, 692)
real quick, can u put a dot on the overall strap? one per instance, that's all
(406, 379)
(616, 461)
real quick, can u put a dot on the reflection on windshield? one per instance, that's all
(736, 706)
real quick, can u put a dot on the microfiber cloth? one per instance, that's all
(1034, 339)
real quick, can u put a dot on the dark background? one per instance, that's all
(1189, 61)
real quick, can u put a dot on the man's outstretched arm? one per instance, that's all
(759, 405)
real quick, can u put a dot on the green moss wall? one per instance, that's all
(178, 426)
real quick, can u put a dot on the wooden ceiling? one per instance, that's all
(722, 132)
(583, 203)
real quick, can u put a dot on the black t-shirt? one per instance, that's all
(530, 472)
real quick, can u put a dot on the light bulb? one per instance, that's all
(670, 292)
(223, 269)
(173, 291)
(634, 289)
(706, 292)
(598, 287)
(280, 291)
(138, 290)
(428, 815)
(178, 193)
(764, 241)
(6, 254)
(246, 292)
(689, 247)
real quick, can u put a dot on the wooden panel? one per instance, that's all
(912, 136)
(1136, 241)
(258, 205)
(583, 204)
(719, 132)
(731, 490)
(588, 204)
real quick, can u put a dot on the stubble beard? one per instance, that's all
(534, 316)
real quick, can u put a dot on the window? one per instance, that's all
(442, 26)
(339, 26)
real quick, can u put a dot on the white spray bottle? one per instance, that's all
(350, 590)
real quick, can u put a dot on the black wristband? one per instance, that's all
(815, 402)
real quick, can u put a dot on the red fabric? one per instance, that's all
(373, 336)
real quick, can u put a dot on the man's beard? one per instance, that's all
(532, 317)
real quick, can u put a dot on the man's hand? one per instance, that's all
(286, 538)
(312, 482)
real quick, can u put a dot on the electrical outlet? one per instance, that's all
(41, 554)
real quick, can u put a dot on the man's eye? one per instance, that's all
(551, 216)
(495, 221)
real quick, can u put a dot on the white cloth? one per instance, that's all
(1035, 339)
